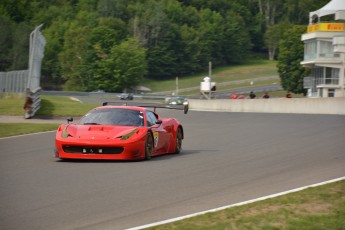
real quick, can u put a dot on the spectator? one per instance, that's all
(234, 96)
(266, 96)
(288, 95)
(241, 97)
(252, 95)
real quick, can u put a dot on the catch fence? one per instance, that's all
(27, 81)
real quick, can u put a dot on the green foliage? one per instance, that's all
(297, 11)
(6, 30)
(123, 68)
(180, 37)
(72, 57)
(290, 70)
(236, 42)
(273, 36)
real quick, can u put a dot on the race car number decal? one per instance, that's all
(155, 138)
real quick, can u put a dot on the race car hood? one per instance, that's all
(98, 132)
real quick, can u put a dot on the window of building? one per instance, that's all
(326, 49)
(310, 50)
(331, 76)
(326, 76)
(331, 92)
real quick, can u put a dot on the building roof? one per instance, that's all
(330, 8)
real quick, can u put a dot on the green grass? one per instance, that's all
(50, 106)
(63, 106)
(258, 69)
(11, 104)
(14, 129)
(320, 208)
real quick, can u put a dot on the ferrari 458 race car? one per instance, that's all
(120, 132)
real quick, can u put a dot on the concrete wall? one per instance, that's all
(273, 105)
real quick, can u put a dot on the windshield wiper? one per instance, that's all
(91, 123)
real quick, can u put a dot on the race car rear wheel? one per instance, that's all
(179, 136)
(148, 146)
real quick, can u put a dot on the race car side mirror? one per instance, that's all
(69, 119)
(158, 122)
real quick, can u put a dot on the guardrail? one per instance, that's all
(32, 102)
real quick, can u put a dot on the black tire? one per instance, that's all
(179, 137)
(148, 146)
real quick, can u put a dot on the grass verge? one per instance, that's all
(14, 129)
(63, 106)
(50, 106)
(258, 69)
(320, 208)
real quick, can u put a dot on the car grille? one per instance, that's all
(92, 150)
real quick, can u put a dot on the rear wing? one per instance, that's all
(185, 108)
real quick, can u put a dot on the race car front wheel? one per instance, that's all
(178, 140)
(148, 146)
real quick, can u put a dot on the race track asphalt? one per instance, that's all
(227, 158)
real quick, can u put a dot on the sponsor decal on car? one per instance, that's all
(155, 138)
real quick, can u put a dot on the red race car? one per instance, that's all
(122, 132)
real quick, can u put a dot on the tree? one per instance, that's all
(124, 68)
(6, 31)
(273, 36)
(113, 8)
(57, 20)
(271, 12)
(290, 70)
(297, 11)
(73, 57)
(21, 46)
(236, 43)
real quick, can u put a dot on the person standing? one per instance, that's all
(252, 95)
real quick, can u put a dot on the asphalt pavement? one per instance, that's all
(227, 158)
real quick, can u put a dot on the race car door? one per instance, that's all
(160, 135)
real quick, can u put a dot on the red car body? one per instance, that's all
(119, 133)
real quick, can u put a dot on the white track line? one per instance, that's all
(234, 205)
(28, 134)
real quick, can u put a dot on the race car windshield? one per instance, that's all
(113, 116)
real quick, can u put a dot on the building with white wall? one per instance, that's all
(324, 51)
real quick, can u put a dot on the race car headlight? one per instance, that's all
(127, 136)
(173, 103)
(65, 133)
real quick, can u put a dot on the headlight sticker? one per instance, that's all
(65, 133)
(127, 136)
